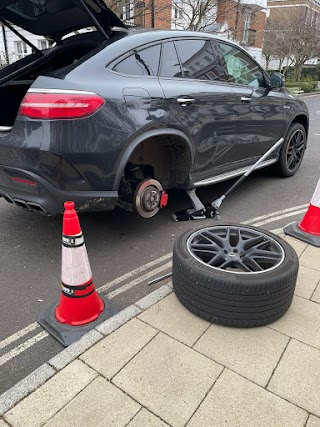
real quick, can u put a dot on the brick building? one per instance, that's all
(240, 20)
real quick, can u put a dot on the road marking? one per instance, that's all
(18, 335)
(262, 220)
(22, 347)
(134, 272)
(283, 211)
(276, 218)
(138, 280)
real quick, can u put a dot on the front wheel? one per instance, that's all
(292, 151)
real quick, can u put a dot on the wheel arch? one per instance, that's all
(147, 136)
(303, 120)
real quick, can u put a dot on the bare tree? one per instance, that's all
(293, 33)
(195, 15)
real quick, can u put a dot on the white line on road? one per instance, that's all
(133, 272)
(22, 347)
(139, 280)
(18, 334)
(276, 218)
(275, 214)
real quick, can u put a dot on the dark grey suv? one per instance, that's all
(116, 117)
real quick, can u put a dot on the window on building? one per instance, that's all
(241, 69)
(128, 12)
(178, 12)
(20, 49)
(246, 27)
(43, 44)
(144, 62)
(200, 60)
(170, 66)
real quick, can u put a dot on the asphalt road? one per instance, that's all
(118, 243)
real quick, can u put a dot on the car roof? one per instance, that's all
(150, 35)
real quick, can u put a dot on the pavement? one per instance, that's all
(157, 365)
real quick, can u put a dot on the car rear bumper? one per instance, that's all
(33, 193)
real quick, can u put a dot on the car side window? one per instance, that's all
(201, 60)
(142, 62)
(241, 69)
(170, 65)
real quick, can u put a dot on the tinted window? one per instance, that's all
(201, 60)
(170, 66)
(241, 68)
(143, 62)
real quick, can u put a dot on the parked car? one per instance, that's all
(116, 117)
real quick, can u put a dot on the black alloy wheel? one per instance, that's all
(292, 151)
(234, 275)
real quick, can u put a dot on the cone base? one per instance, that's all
(311, 221)
(294, 230)
(67, 334)
(77, 312)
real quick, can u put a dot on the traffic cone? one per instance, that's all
(308, 229)
(80, 308)
(79, 302)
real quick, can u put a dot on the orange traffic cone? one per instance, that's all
(308, 229)
(79, 301)
(80, 308)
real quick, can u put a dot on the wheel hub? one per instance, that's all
(236, 249)
(147, 198)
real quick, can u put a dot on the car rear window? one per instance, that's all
(142, 62)
(170, 65)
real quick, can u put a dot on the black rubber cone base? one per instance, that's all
(294, 231)
(67, 334)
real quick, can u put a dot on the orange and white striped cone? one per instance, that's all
(79, 301)
(80, 308)
(308, 229)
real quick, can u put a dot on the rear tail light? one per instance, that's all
(60, 105)
(24, 181)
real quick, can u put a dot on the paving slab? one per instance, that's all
(313, 422)
(316, 296)
(171, 317)
(302, 321)
(297, 377)
(114, 351)
(253, 353)
(169, 379)
(100, 404)
(298, 245)
(236, 402)
(147, 419)
(3, 424)
(308, 279)
(311, 257)
(46, 401)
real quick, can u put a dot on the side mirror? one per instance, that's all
(277, 80)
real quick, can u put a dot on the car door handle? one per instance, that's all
(185, 101)
(245, 99)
